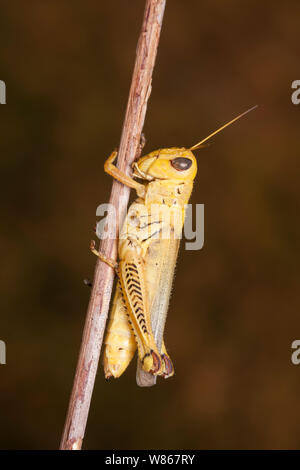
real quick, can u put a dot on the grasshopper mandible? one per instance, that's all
(147, 258)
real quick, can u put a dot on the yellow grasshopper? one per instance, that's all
(148, 249)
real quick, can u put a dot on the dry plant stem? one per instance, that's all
(83, 385)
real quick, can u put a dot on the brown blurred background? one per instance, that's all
(235, 307)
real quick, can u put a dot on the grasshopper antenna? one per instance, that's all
(199, 144)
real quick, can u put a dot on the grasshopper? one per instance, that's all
(147, 258)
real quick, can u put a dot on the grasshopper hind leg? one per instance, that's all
(152, 362)
(132, 281)
(167, 363)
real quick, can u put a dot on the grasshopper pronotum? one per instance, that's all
(147, 258)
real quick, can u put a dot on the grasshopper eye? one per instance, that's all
(181, 163)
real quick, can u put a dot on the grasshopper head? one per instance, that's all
(173, 163)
